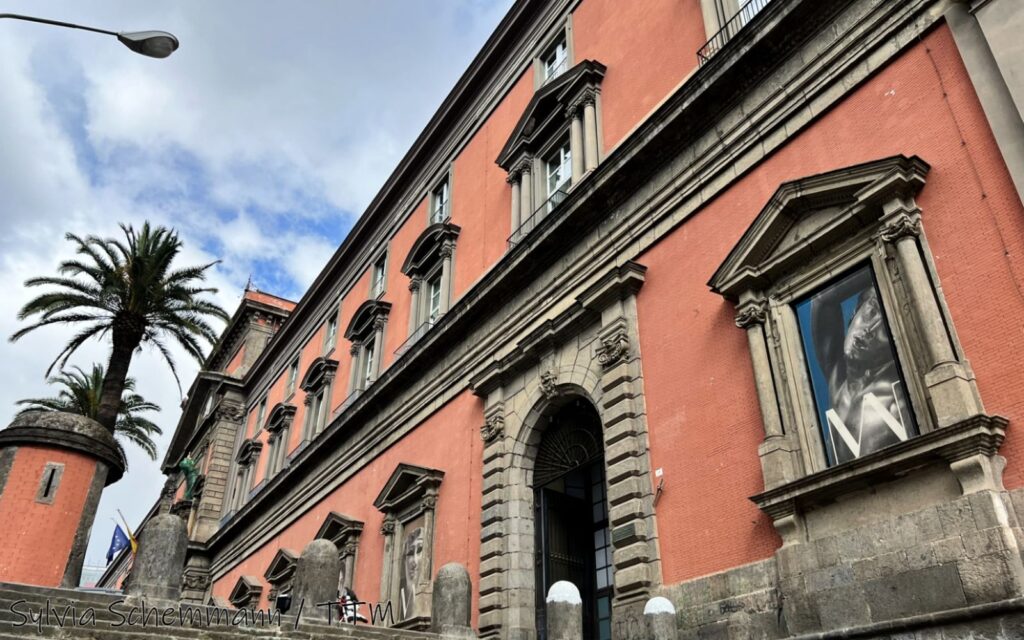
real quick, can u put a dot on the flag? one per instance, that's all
(117, 543)
(131, 537)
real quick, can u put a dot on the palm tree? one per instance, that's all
(80, 393)
(127, 289)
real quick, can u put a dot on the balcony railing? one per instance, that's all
(414, 338)
(540, 213)
(731, 28)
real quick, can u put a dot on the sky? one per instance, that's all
(260, 141)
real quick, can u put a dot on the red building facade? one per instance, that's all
(734, 328)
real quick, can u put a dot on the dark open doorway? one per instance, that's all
(572, 516)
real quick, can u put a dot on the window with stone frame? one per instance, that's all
(317, 385)
(408, 501)
(378, 278)
(279, 427)
(344, 532)
(430, 265)
(331, 332)
(857, 365)
(555, 56)
(245, 471)
(246, 593)
(293, 378)
(279, 575)
(440, 200)
(555, 143)
(365, 332)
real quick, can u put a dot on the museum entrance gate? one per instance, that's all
(573, 540)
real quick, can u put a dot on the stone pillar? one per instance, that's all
(160, 562)
(378, 345)
(316, 579)
(661, 619)
(212, 504)
(751, 318)
(414, 316)
(526, 192)
(353, 375)
(451, 605)
(576, 143)
(951, 387)
(590, 146)
(447, 250)
(513, 180)
(493, 569)
(565, 612)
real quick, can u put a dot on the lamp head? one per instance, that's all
(155, 44)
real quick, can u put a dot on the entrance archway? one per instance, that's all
(571, 515)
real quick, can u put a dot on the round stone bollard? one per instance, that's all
(661, 619)
(316, 579)
(160, 561)
(452, 602)
(565, 612)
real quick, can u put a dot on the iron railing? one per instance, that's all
(731, 28)
(540, 213)
(414, 337)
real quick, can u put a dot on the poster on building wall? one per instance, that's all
(858, 388)
(411, 558)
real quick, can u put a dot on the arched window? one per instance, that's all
(279, 426)
(366, 333)
(317, 384)
(429, 267)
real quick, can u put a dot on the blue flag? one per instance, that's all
(117, 543)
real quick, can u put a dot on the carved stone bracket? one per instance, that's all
(903, 226)
(549, 383)
(752, 314)
(230, 411)
(494, 427)
(614, 346)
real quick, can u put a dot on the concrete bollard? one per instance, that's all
(451, 602)
(316, 579)
(661, 619)
(565, 612)
(160, 561)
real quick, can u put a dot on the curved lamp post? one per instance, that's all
(155, 44)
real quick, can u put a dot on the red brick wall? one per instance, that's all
(702, 407)
(42, 533)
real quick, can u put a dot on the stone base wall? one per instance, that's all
(946, 570)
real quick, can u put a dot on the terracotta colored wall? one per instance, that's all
(50, 527)
(481, 199)
(648, 47)
(312, 350)
(236, 361)
(702, 406)
(450, 441)
(397, 284)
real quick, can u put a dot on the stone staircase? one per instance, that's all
(90, 615)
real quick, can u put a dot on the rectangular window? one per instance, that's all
(439, 202)
(559, 169)
(556, 59)
(377, 285)
(434, 298)
(856, 380)
(331, 333)
(260, 414)
(293, 376)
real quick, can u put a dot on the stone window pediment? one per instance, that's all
(365, 318)
(281, 417)
(246, 592)
(319, 374)
(546, 111)
(407, 485)
(344, 532)
(857, 366)
(426, 251)
(249, 452)
(282, 567)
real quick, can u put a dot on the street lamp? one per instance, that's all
(155, 44)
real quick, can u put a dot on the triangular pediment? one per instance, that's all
(806, 217)
(246, 592)
(281, 567)
(338, 528)
(407, 483)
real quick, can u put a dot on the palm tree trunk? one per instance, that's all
(113, 382)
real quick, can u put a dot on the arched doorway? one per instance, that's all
(572, 536)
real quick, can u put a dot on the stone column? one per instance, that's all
(451, 604)
(316, 579)
(526, 191)
(565, 612)
(414, 288)
(661, 619)
(378, 345)
(160, 562)
(513, 180)
(353, 375)
(447, 250)
(576, 142)
(951, 387)
(590, 147)
(752, 318)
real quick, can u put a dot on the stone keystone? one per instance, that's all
(565, 612)
(160, 562)
(316, 579)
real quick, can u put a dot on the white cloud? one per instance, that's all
(259, 140)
